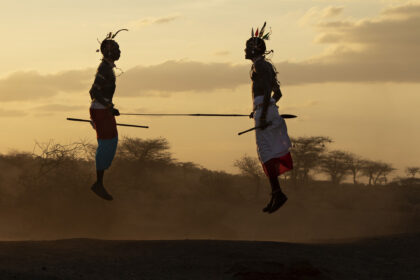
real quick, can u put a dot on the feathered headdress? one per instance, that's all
(260, 33)
(110, 36)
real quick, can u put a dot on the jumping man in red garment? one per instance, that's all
(102, 112)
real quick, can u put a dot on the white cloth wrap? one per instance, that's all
(273, 141)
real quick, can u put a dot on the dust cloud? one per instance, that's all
(46, 195)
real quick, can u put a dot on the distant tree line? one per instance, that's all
(45, 194)
(311, 157)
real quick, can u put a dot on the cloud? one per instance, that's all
(136, 24)
(31, 85)
(59, 108)
(309, 16)
(406, 11)
(181, 76)
(315, 14)
(222, 53)
(332, 12)
(163, 79)
(374, 50)
(380, 49)
(11, 113)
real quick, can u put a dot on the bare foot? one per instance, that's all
(100, 190)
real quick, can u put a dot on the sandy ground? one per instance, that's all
(392, 257)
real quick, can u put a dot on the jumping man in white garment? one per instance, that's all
(273, 142)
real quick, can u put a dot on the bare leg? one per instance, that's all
(278, 198)
(98, 187)
(275, 184)
(100, 176)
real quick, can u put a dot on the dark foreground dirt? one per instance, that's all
(395, 257)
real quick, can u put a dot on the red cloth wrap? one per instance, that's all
(277, 166)
(104, 122)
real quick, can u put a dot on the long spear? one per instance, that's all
(284, 116)
(120, 124)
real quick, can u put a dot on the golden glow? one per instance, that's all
(335, 61)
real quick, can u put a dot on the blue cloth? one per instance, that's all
(105, 152)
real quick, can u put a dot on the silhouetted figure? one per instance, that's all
(102, 112)
(273, 142)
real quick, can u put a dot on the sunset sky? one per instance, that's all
(348, 69)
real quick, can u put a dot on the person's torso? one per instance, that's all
(108, 80)
(263, 77)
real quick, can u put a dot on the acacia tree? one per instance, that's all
(336, 165)
(376, 170)
(306, 153)
(412, 171)
(145, 150)
(385, 170)
(370, 170)
(52, 155)
(356, 165)
(251, 167)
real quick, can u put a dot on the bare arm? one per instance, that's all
(277, 92)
